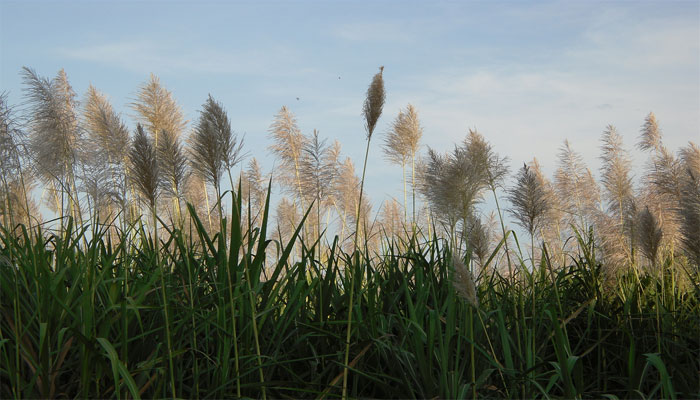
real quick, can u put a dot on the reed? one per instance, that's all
(372, 109)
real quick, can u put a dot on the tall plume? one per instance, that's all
(480, 236)
(157, 110)
(55, 134)
(288, 218)
(650, 138)
(577, 190)
(529, 200)
(396, 147)
(401, 144)
(648, 234)
(391, 219)
(288, 147)
(689, 209)
(213, 145)
(454, 182)
(253, 186)
(15, 204)
(619, 195)
(317, 172)
(104, 126)
(106, 153)
(347, 191)
(10, 138)
(374, 102)
(144, 169)
(494, 166)
(663, 182)
(174, 169)
(463, 282)
(552, 221)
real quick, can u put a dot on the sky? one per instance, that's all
(526, 75)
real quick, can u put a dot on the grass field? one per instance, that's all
(191, 290)
(87, 315)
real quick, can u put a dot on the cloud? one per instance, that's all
(529, 114)
(385, 31)
(147, 55)
(665, 43)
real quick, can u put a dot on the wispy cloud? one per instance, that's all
(385, 31)
(147, 55)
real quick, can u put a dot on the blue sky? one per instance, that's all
(527, 75)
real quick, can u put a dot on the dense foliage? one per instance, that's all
(82, 317)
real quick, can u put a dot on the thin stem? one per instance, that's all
(352, 279)
(165, 301)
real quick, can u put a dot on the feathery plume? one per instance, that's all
(453, 183)
(55, 134)
(144, 168)
(287, 216)
(391, 221)
(253, 185)
(10, 137)
(53, 124)
(374, 103)
(396, 145)
(615, 172)
(15, 204)
(157, 110)
(401, 144)
(529, 199)
(650, 138)
(480, 237)
(463, 282)
(100, 180)
(105, 154)
(689, 207)
(690, 158)
(663, 182)
(576, 188)
(173, 164)
(315, 179)
(494, 166)
(104, 126)
(553, 217)
(618, 193)
(649, 234)
(213, 145)
(316, 175)
(288, 147)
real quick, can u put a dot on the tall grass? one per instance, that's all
(85, 320)
(134, 302)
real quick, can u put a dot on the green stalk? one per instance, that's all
(405, 206)
(251, 299)
(156, 246)
(231, 291)
(472, 367)
(352, 278)
(255, 324)
(413, 194)
(503, 228)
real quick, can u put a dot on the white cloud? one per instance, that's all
(385, 31)
(147, 55)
